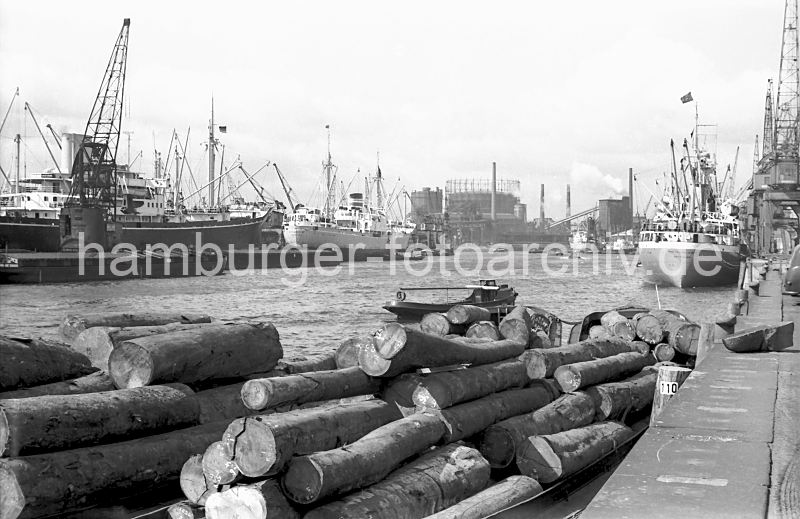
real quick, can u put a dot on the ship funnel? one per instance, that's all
(541, 208)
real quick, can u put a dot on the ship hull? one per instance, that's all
(350, 243)
(33, 234)
(685, 265)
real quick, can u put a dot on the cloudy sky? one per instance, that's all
(554, 92)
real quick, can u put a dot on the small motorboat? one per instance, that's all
(486, 294)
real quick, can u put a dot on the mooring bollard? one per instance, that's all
(670, 379)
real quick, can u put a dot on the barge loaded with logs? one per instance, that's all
(457, 416)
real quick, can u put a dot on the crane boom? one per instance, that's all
(286, 188)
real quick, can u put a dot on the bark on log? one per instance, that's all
(302, 364)
(186, 510)
(346, 355)
(465, 420)
(582, 374)
(75, 324)
(398, 350)
(442, 390)
(52, 423)
(92, 383)
(431, 483)
(32, 362)
(663, 352)
(400, 392)
(618, 325)
(438, 324)
(221, 403)
(760, 338)
(668, 381)
(599, 331)
(555, 456)
(517, 325)
(483, 330)
(543, 363)
(218, 467)
(72, 480)
(198, 355)
(501, 441)
(681, 335)
(193, 482)
(262, 445)
(648, 328)
(98, 342)
(264, 393)
(467, 314)
(501, 496)
(615, 399)
(363, 462)
(260, 500)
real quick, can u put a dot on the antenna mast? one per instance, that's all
(786, 108)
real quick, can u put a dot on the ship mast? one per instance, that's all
(211, 157)
(330, 178)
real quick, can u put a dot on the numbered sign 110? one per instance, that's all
(667, 388)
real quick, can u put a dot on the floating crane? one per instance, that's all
(92, 202)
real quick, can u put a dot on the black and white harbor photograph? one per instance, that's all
(362, 260)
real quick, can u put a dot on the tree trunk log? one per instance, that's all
(501, 441)
(302, 364)
(613, 400)
(218, 468)
(98, 342)
(555, 456)
(501, 496)
(264, 393)
(75, 324)
(442, 390)
(648, 328)
(92, 383)
(433, 482)
(543, 363)
(669, 380)
(680, 334)
(400, 392)
(483, 330)
(262, 445)
(363, 462)
(52, 423)
(663, 352)
(260, 500)
(186, 510)
(72, 480)
(437, 324)
(581, 374)
(193, 481)
(618, 325)
(222, 403)
(398, 349)
(346, 355)
(467, 314)
(32, 362)
(760, 338)
(517, 325)
(202, 354)
(465, 420)
(599, 331)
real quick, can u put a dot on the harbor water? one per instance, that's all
(315, 309)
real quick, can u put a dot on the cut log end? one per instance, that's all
(218, 468)
(255, 449)
(371, 362)
(538, 460)
(303, 483)
(389, 340)
(498, 447)
(130, 366)
(193, 480)
(255, 394)
(567, 379)
(12, 499)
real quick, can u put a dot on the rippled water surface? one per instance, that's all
(335, 304)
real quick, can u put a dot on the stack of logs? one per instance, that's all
(404, 422)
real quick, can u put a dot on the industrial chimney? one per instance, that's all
(541, 208)
(569, 203)
(494, 190)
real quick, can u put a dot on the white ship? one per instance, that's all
(693, 239)
(356, 227)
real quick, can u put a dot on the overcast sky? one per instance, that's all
(554, 92)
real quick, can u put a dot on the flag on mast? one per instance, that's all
(687, 98)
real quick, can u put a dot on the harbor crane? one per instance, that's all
(92, 202)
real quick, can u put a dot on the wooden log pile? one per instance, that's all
(399, 423)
